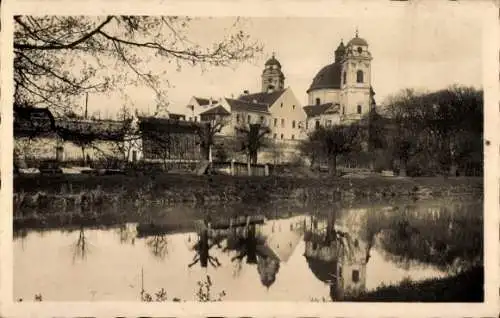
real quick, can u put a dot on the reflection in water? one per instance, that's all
(250, 245)
(336, 256)
(341, 253)
(206, 240)
(449, 237)
(81, 247)
(158, 244)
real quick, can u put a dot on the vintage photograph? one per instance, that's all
(188, 158)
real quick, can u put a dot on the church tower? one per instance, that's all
(356, 80)
(272, 76)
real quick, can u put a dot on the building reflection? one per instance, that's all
(336, 256)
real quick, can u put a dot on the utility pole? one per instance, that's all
(86, 104)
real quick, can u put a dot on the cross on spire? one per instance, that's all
(357, 32)
(273, 54)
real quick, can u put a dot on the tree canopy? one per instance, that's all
(58, 58)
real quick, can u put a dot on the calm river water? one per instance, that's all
(297, 257)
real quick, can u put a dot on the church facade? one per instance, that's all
(341, 92)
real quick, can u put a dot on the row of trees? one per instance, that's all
(419, 133)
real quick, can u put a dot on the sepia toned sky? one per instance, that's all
(410, 48)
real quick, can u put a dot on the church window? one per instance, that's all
(281, 105)
(195, 118)
(275, 122)
(328, 123)
(360, 49)
(274, 136)
(318, 101)
(307, 125)
(293, 136)
(249, 119)
(293, 124)
(282, 123)
(293, 107)
(340, 271)
(282, 136)
(359, 76)
(345, 77)
(359, 109)
(355, 276)
(238, 118)
(343, 109)
(262, 119)
(317, 124)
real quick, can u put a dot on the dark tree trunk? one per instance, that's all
(332, 165)
(251, 245)
(402, 167)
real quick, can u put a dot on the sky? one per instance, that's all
(410, 49)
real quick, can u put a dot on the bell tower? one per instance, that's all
(356, 79)
(272, 76)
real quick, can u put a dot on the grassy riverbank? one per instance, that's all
(82, 199)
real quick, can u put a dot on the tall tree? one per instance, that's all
(334, 141)
(58, 58)
(252, 140)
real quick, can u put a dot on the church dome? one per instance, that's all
(328, 77)
(357, 41)
(273, 61)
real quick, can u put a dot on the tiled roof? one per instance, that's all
(263, 98)
(248, 106)
(218, 110)
(204, 101)
(316, 110)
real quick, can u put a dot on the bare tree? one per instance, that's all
(251, 137)
(58, 58)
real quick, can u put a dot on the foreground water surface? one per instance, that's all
(321, 254)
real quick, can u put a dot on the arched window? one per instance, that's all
(359, 109)
(345, 77)
(343, 109)
(359, 76)
(318, 101)
(293, 124)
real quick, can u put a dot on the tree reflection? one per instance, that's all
(158, 245)
(450, 237)
(207, 239)
(250, 245)
(126, 234)
(81, 247)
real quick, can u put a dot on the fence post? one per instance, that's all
(232, 167)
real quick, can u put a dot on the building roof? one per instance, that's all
(160, 125)
(357, 41)
(248, 106)
(204, 101)
(328, 77)
(33, 121)
(273, 61)
(218, 110)
(267, 98)
(316, 110)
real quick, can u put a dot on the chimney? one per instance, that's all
(245, 92)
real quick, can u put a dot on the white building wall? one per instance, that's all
(326, 95)
(288, 109)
